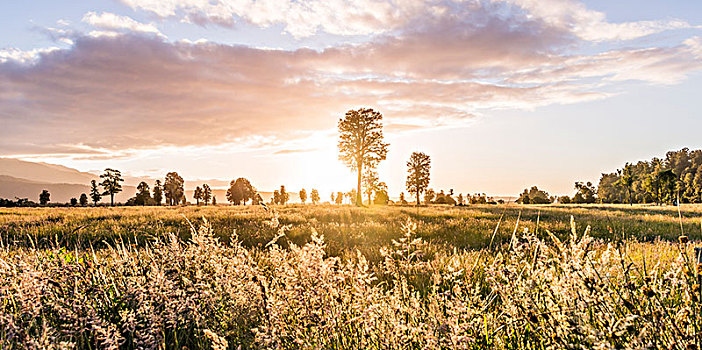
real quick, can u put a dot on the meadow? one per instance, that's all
(341, 277)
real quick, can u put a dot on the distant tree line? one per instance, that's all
(661, 181)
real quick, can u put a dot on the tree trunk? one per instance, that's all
(631, 203)
(417, 198)
(369, 200)
(112, 199)
(358, 193)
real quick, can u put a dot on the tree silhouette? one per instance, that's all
(339, 198)
(44, 197)
(418, 168)
(197, 195)
(303, 196)
(240, 190)
(314, 196)
(111, 183)
(143, 196)
(284, 196)
(74, 201)
(214, 200)
(173, 188)
(361, 142)
(95, 193)
(206, 193)
(158, 192)
(83, 199)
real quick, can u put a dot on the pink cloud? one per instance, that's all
(129, 91)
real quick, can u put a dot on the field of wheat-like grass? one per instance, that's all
(328, 277)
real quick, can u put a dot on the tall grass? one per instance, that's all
(528, 291)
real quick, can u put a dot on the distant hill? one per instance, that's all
(23, 179)
(43, 172)
(11, 187)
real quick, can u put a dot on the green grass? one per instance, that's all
(345, 228)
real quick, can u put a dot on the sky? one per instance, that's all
(502, 94)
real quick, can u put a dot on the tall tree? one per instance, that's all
(284, 196)
(627, 180)
(314, 196)
(44, 197)
(197, 195)
(668, 182)
(339, 198)
(95, 193)
(418, 168)
(111, 183)
(173, 188)
(83, 199)
(143, 196)
(361, 142)
(303, 196)
(206, 193)
(158, 192)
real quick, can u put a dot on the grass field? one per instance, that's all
(342, 277)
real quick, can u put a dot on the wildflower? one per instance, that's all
(683, 239)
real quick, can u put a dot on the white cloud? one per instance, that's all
(113, 22)
(299, 18)
(588, 24)
(22, 56)
(368, 17)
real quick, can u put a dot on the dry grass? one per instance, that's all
(345, 278)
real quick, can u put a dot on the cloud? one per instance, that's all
(118, 92)
(588, 24)
(113, 22)
(24, 56)
(299, 18)
(372, 17)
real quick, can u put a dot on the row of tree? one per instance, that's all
(677, 178)
(660, 180)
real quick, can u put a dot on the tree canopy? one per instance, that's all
(418, 167)
(111, 183)
(173, 188)
(240, 190)
(361, 143)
